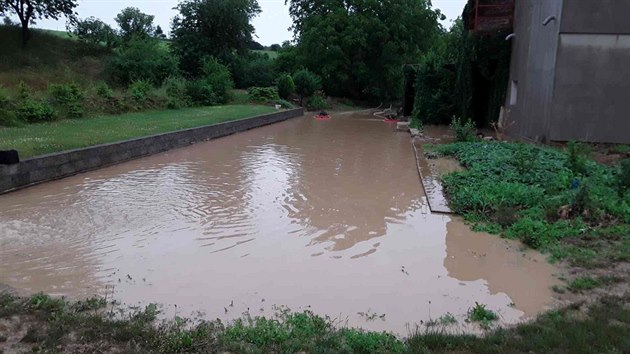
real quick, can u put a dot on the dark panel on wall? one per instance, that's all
(596, 16)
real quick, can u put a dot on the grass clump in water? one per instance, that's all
(482, 315)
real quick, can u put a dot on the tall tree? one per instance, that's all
(358, 47)
(135, 23)
(207, 28)
(28, 11)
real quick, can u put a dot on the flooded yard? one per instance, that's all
(322, 215)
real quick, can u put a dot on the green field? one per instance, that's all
(37, 139)
(270, 53)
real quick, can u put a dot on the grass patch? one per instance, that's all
(556, 201)
(37, 139)
(584, 283)
(605, 328)
(270, 53)
(55, 325)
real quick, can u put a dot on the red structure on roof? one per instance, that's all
(486, 16)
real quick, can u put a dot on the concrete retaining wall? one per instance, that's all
(63, 164)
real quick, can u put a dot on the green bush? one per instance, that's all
(577, 157)
(464, 130)
(140, 90)
(142, 59)
(263, 94)
(218, 77)
(68, 98)
(255, 69)
(175, 90)
(4, 98)
(286, 86)
(317, 102)
(35, 111)
(104, 91)
(8, 118)
(201, 93)
(306, 83)
(623, 178)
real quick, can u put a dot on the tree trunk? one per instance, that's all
(26, 33)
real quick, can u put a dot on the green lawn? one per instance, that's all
(37, 139)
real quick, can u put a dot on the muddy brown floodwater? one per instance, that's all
(322, 215)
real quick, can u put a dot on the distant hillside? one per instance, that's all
(49, 57)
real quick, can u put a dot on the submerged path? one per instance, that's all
(320, 215)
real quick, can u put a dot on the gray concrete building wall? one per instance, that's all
(570, 79)
(592, 85)
(592, 90)
(532, 71)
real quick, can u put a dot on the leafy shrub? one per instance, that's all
(306, 83)
(623, 178)
(104, 91)
(286, 86)
(263, 94)
(577, 157)
(35, 111)
(8, 118)
(69, 98)
(142, 59)
(464, 130)
(175, 90)
(256, 70)
(217, 76)
(140, 90)
(24, 91)
(317, 102)
(201, 93)
(4, 98)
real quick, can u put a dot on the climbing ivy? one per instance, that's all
(464, 74)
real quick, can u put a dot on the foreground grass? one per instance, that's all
(37, 139)
(54, 325)
(557, 201)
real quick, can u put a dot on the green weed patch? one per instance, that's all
(556, 201)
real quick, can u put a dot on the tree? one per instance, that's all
(275, 47)
(159, 33)
(28, 11)
(94, 31)
(215, 28)
(359, 47)
(306, 83)
(135, 23)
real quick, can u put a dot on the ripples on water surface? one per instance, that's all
(324, 215)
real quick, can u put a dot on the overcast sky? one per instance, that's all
(271, 26)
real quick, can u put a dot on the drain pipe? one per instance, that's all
(548, 19)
